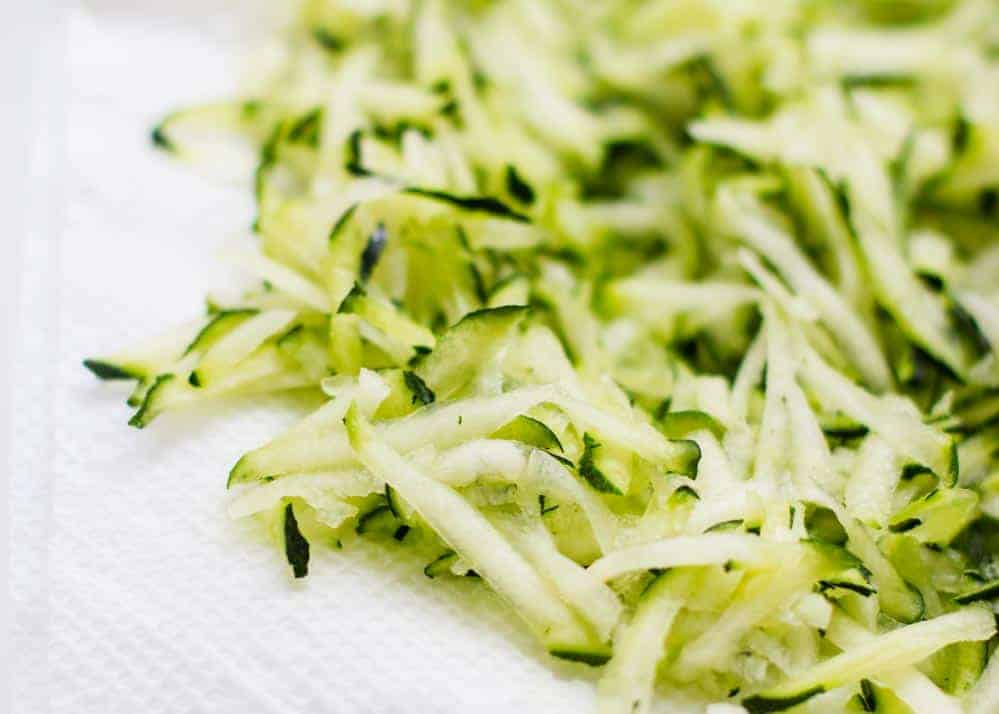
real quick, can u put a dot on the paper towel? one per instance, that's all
(133, 590)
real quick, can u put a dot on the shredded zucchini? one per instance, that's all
(676, 322)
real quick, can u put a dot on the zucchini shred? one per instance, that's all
(676, 324)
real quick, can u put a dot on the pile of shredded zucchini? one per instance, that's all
(675, 322)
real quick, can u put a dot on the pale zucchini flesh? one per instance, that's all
(675, 323)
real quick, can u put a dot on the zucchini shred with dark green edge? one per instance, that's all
(673, 323)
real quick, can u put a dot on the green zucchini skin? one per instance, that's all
(110, 371)
(482, 204)
(373, 250)
(592, 658)
(984, 592)
(517, 187)
(422, 394)
(589, 471)
(529, 430)
(642, 251)
(441, 565)
(160, 140)
(296, 547)
(676, 425)
(149, 407)
(759, 704)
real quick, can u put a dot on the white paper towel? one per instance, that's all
(133, 590)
